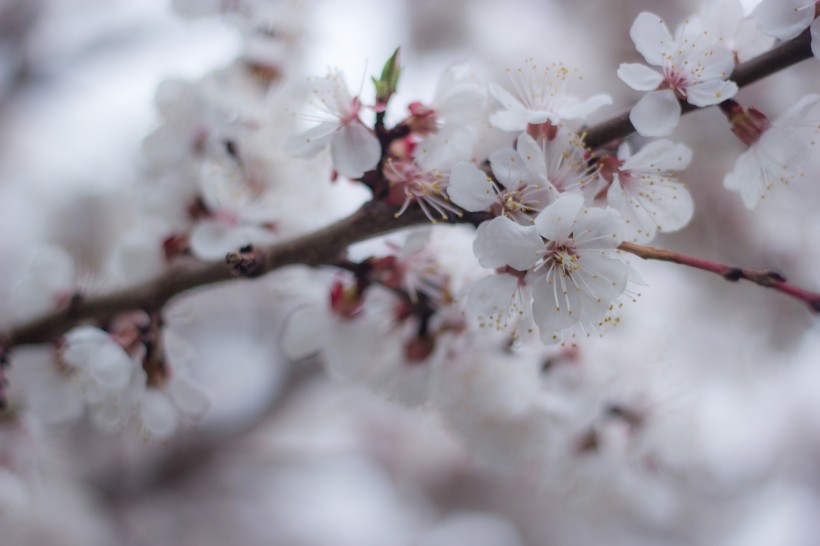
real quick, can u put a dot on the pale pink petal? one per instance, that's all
(305, 332)
(556, 222)
(157, 414)
(515, 115)
(355, 150)
(783, 19)
(710, 61)
(577, 109)
(533, 156)
(656, 114)
(601, 277)
(212, 240)
(441, 150)
(189, 398)
(665, 205)
(710, 92)
(470, 188)
(639, 77)
(651, 37)
(553, 308)
(508, 168)
(815, 38)
(110, 366)
(747, 178)
(489, 299)
(312, 141)
(501, 242)
(798, 112)
(598, 229)
(660, 155)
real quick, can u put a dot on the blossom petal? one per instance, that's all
(578, 109)
(441, 150)
(311, 142)
(747, 178)
(556, 222)
(710, 92)
(652, 38)
(470, 188)
(355, 150)
(304, 332)
(489, 300)
(783, 19)
(660, 155)
(508, 168)
(815, 38)
(157, 414)
(501, 242)
(514, 118)
(554, 307)
(656, 114)
(639, 77)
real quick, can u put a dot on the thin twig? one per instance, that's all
(762, 277)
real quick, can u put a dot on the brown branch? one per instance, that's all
(774, 60)
(328, 244)
(762, 277)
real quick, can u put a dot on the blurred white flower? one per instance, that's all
(353, 147)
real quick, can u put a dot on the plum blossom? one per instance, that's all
(692, 69)
(519, 192)
(238, 212)
(778, 151)
(644, 189)
(47, 283)
(542, 94)
(529, 177)
(785, 19)
(353, 147)
(729, 26)
(459, 99)
(425, 177)
(571, 254)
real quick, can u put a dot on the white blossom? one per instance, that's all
(542, 94)
(644, 189)
(353, 147)
(692, 69)
(571, 253)
(778, 151)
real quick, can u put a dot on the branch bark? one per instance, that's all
(327, 245)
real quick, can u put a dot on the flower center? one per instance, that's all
(676, 81)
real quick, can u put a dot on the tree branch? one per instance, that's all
(375, 218)
(762, 277)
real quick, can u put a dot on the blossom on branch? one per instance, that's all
(571, 256)
(353, 147)
(692, 69)
(644, 190)
(785, 19)
(778, 151)
(542, 94)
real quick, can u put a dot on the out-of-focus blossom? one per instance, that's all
(779, 150)
(353, 147)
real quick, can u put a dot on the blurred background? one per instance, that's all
(287, 455)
